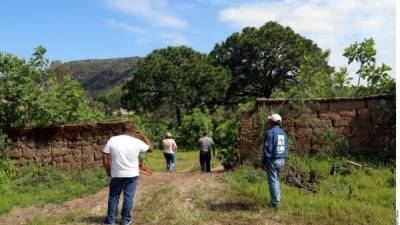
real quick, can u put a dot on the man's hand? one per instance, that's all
(106, 164)
(144, 138)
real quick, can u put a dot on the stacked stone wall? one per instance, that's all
(361, 125)
(68, 145)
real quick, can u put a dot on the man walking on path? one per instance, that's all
(274, 154)
(170, 148)
(124, 170)
(206, 144)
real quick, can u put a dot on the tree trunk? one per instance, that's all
(178, 115)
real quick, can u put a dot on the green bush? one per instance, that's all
(7, 170)
(193, 127)
(226, 135)
(3, 146)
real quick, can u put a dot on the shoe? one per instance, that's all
(274, 206)
(126, 223)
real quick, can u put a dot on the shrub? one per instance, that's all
(226, 136)
(7, 170)
(193, 127)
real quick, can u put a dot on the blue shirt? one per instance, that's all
(275, 143)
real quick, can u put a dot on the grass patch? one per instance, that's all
(185, 161)
(365, 196)
(35, 185)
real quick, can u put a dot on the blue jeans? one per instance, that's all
(170, 159)
(274, 167)
(117, 185)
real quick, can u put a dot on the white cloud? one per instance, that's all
(174, 38)
(333, 24)
(156, 11)
(125, 27)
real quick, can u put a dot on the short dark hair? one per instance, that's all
(126, 127)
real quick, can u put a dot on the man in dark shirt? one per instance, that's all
(274, 154)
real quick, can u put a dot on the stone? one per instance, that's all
(69, 158)
(315, 106)
(15, 153)
(98, 155)
(87, 158)
(338, 106)
(43, 151)
(59, 151)
(28, 152)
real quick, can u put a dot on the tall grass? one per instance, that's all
(35, 185)
(365, 196)
(187, 160)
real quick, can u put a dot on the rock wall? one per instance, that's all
(69, 145)
(361, 125)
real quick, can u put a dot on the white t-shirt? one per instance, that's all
(124, 151)
(169, 145)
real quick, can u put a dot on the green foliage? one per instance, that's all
(377, 77)
(3, 146)
(193, 127)
(263, 59)
(32, 96)
(7, 170)
(226, 134)
(175, 80)
(33, 185)
(110, 99)
(315, 81)
(370, 201)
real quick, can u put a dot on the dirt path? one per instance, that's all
(189, 186)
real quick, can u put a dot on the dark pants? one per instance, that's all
(117, 185)
(205, 158)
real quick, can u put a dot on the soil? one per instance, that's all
(94, 206)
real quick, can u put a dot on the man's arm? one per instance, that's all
(145, 140)
(267, 153)
(213, 147)
(174, 147)
(106, 163)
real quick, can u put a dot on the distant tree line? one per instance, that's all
(181, 90)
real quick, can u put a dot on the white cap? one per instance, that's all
(275, 118)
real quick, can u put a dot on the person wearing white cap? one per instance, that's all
(274, 154)
(170, 148)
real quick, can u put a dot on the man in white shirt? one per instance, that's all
(124, 151)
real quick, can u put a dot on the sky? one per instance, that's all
(92, 29)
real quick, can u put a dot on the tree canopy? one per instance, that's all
(377, 77)
(263, 59)
(32, 96)
(176, 79)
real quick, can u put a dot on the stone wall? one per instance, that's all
(69, 145)
(361, 125)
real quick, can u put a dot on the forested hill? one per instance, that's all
(98, 75)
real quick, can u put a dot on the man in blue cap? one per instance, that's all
(274, 154)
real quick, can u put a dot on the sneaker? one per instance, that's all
(126, 223)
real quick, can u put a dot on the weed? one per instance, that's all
(351, 199)
(33, 185)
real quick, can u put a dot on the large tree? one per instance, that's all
(175, 79)
(263, 59)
